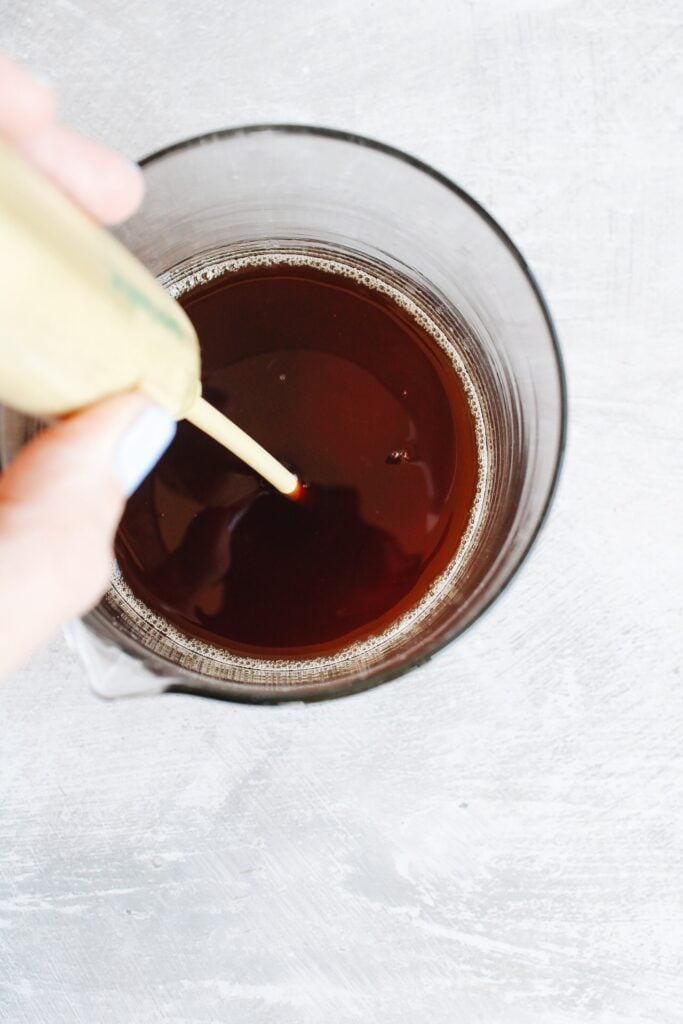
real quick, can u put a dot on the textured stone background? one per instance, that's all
(497, 839)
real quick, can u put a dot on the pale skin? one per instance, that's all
(60, 500)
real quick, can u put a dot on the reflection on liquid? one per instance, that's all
(294, 569)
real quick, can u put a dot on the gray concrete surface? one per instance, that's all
(497, 839)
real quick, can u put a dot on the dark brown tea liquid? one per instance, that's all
(343, 384)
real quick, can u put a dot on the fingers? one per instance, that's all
(104, 183)
(61, 498)
(26, 104)
(101, 181)
(60, 502)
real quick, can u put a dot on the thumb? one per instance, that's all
(60, 503)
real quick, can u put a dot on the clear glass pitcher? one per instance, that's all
(317, 191)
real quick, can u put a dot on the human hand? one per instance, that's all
(63, 495)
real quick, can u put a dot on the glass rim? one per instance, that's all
(245, 693)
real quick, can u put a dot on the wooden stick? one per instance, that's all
(227, 433)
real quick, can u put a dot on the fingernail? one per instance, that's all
(142, 445)
(137, 170)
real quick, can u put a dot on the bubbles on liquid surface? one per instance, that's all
(177, 284)
(397, 456)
